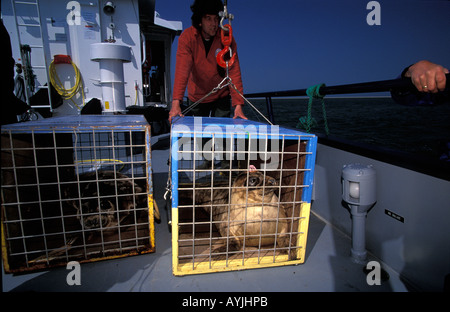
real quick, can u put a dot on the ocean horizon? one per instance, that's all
(372, 120)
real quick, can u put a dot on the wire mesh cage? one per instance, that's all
(241, 194)
(75, 189)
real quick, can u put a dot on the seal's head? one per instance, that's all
(257, 183)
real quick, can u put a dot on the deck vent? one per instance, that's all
(359, 194)
(241, 194)
(75, 189)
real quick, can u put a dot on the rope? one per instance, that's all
(66, 94)
(98, 162)
(224, 83)
(27, 68)
(251, 105)
(308, 122)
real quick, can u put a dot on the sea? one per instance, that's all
(377, 121)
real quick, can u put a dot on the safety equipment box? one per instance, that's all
(75, 188)
(241, 194)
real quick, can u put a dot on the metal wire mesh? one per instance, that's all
(79, 194)
(235, 206)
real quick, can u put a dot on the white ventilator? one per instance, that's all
(359, 192)
(111, 57)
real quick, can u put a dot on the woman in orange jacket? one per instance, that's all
(197, 68)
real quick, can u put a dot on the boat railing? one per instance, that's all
(365, 87)
(420, 163)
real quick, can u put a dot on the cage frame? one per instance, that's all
(85, 124)
(197, 127)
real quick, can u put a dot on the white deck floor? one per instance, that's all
(328, 266)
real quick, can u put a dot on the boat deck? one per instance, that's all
(328, 266)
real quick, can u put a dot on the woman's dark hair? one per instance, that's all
(202, 7)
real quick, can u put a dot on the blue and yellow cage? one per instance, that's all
(241, 194)
(75, 188)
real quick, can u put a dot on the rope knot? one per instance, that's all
(308, 122)
(314, 91)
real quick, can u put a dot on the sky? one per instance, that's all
(294, 44)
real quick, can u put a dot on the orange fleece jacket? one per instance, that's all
(200, 73)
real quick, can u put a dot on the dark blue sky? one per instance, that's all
(293, 44)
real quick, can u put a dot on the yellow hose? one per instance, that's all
(66, 94)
